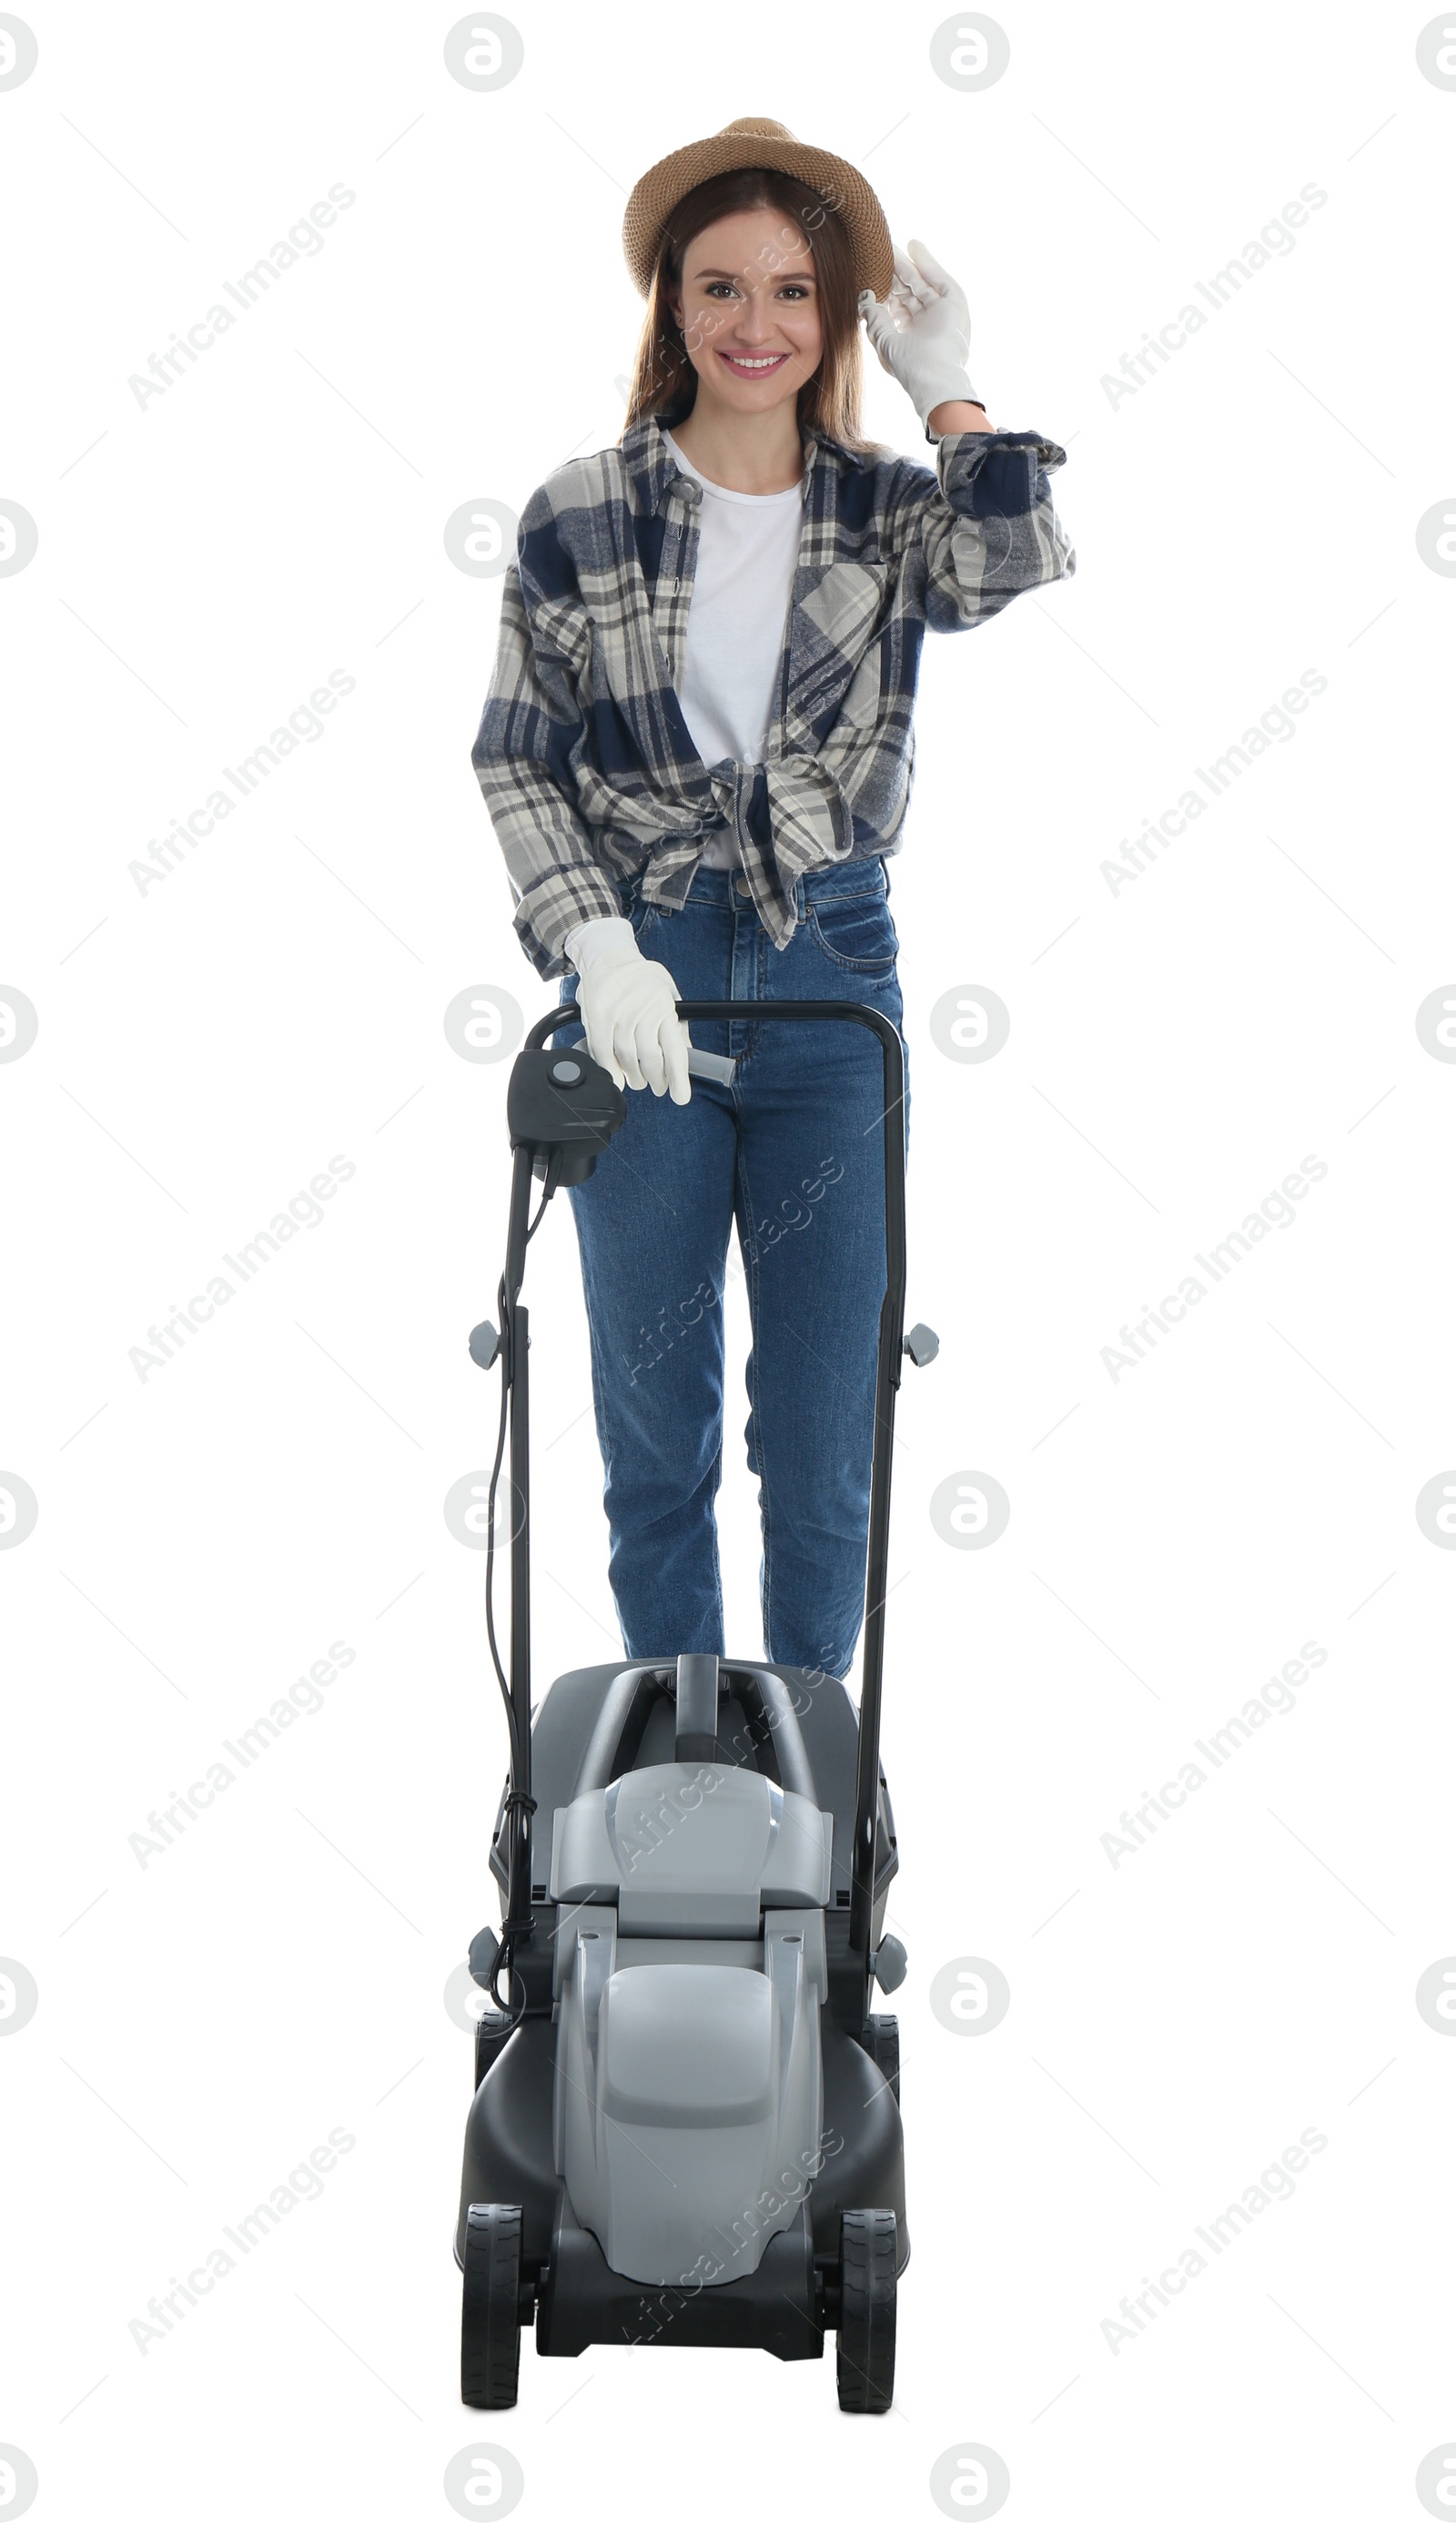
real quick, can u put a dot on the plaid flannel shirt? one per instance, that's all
(583, 755)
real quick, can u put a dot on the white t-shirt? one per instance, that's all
(728, 678)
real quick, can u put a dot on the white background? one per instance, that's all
(1176, 1048)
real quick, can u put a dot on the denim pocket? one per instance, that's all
(856, 932)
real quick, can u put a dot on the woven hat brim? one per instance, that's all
(656, 195)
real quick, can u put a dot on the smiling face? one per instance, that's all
(748, 306)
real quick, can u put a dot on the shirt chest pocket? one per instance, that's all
(835, 629)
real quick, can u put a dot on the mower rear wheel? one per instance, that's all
(866, 2341)
(491, 2307)
(492, 2033)
(882, 2043)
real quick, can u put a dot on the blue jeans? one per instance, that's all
(793, 1155)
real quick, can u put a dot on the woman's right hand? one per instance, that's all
(628, 1008)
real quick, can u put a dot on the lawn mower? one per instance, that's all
(686, 2123)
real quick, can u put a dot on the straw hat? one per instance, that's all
(756, 141)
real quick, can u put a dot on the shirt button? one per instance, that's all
(743, 885)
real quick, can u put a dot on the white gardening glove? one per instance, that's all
(922, 331)
(629, 1007)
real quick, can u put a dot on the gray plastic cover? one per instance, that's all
(690, 2045)
(689, 2098)
(691, 1851)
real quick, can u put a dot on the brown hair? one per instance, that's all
(664, 380)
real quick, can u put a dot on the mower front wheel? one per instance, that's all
(491, 2307)
(865, 2340)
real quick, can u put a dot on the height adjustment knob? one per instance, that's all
(889, 1963)
(921, 1344)
(485, 1345)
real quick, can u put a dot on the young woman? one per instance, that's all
(697, 753)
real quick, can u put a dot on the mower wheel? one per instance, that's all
(882, 2043)
(492, 2033)
(490, 2309)
(865, 2340)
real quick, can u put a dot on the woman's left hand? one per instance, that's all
(922, 331)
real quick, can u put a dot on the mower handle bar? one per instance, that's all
(887, 1383)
